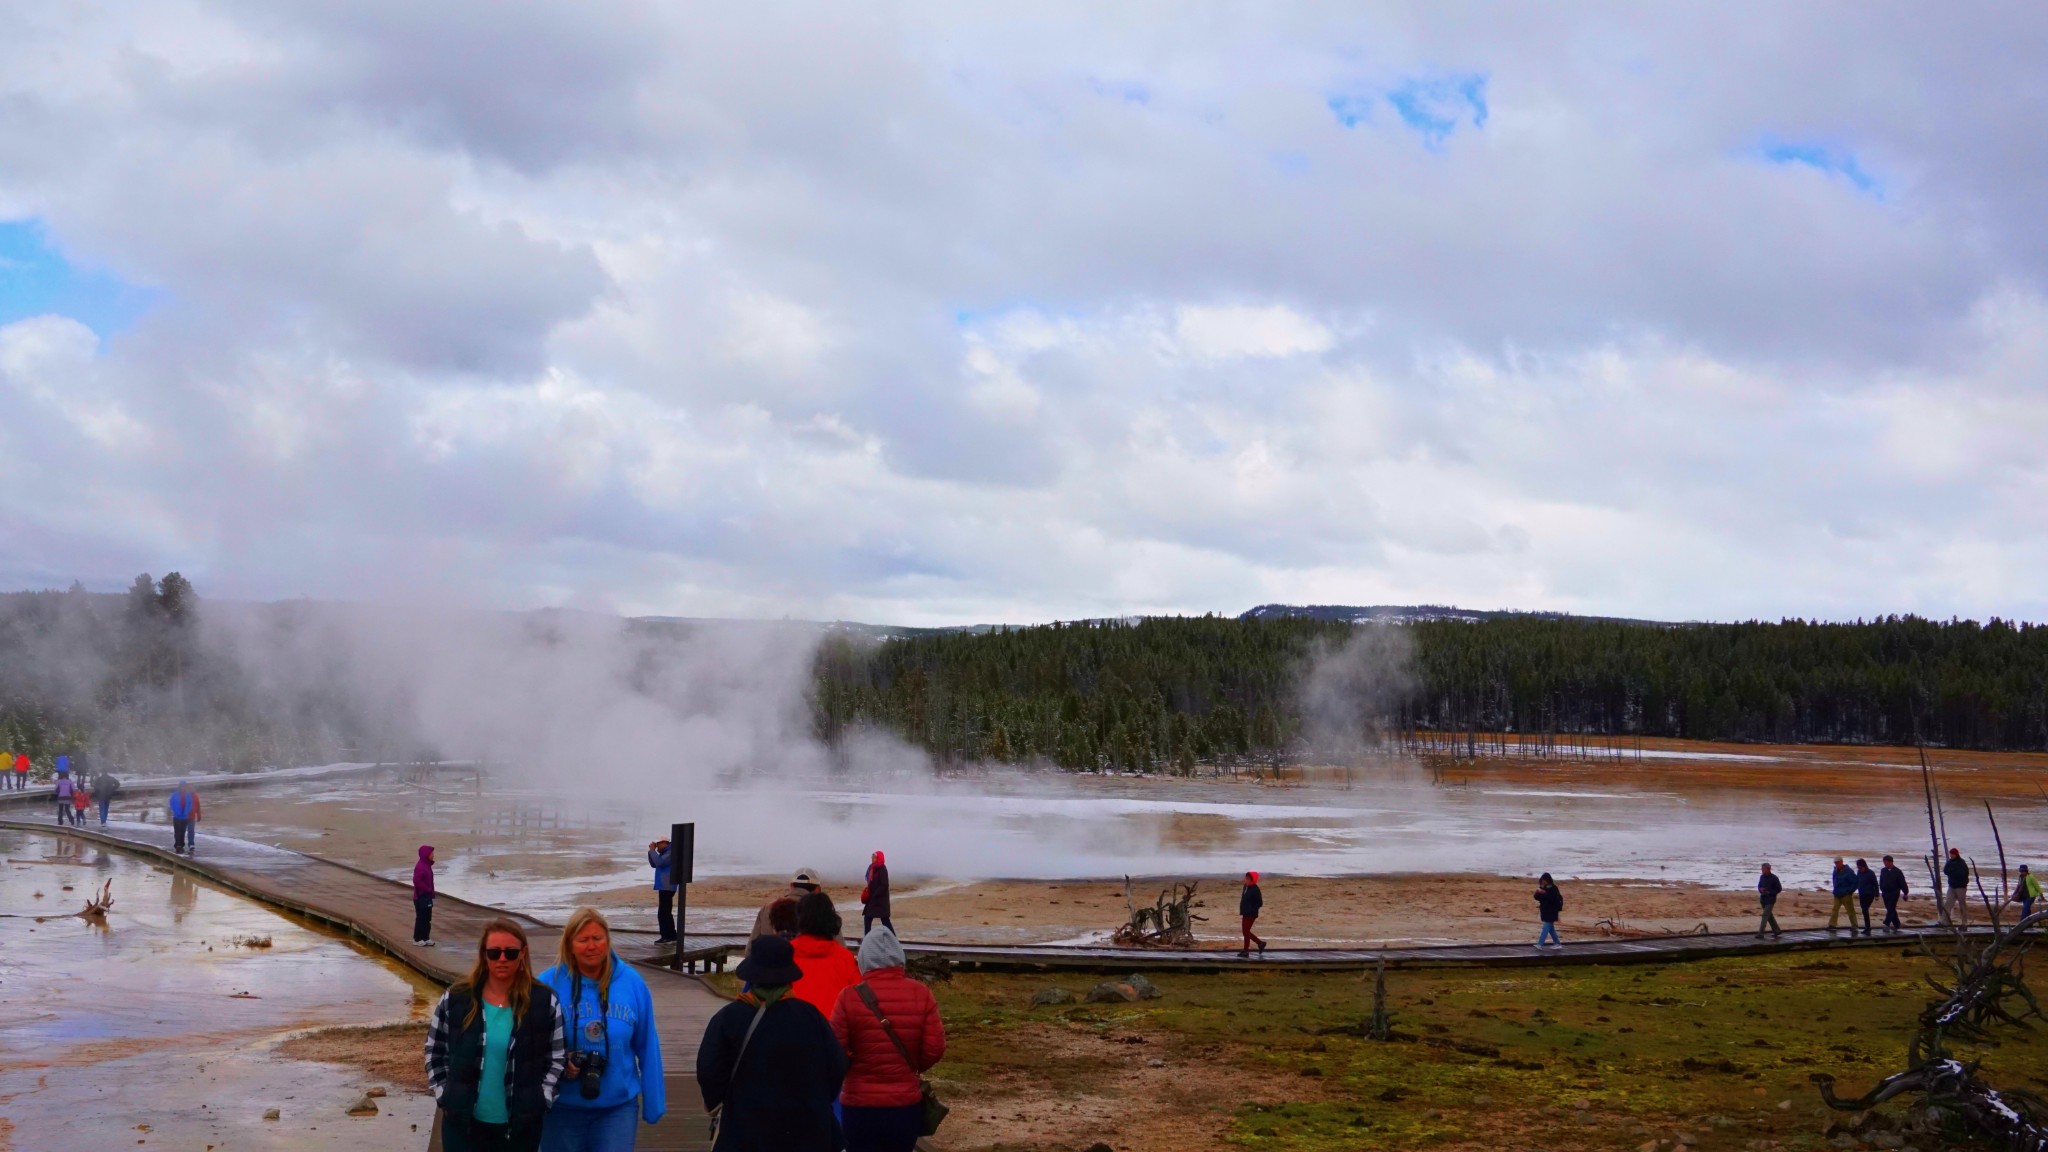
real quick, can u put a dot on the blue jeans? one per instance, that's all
(884, 1129)
(1549, 933)
(573, 1129)
(103, 810)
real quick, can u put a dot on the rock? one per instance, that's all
(1112, 992)
(1055, 995)
(1155, 1062)
(272, 1114)
(1145, 988)
(1099, 1146)
(1886, 1140)
(1845, 1140)
(1784, 1105)
(376, 1093)
(363, 1107)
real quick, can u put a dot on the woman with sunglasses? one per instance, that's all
(495, 1049)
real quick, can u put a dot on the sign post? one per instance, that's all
(682, 852)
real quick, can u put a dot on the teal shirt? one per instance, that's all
(490, 1088)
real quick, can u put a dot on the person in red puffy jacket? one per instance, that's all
(881, 1101)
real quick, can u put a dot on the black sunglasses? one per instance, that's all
(501, 953)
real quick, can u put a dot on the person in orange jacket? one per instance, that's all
(828, 967)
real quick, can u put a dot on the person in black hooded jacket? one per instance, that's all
(1249, 902)
(772, 1091)
(1866, 892)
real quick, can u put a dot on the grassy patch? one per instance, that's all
(1715, 1053)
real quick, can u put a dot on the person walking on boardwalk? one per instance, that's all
(874, 895)
(769, 1065)
(1956, 904)
(423, 898)
(2025, 891)
(802, 884)
(1843, 884)
(66, 788)
(183, 806)
(1249, 903)
(1767, 888)
(81, 802)
(1866, 891)
(827, 966)
(613, 1079)
(1549, 905)
(1891, 884)
(7, 773)
(495, 1048)
(659, 859)
(890, 1028)
(105, 786)
(21, 766)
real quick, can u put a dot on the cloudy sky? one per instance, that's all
(946, 313)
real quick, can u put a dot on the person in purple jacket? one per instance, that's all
(423, 898)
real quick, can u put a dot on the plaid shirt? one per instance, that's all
(442, 1028)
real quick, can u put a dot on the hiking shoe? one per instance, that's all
(1262, 949)
(1243, 954)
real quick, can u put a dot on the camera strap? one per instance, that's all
(604, 1009)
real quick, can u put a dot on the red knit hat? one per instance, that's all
(1252, 877)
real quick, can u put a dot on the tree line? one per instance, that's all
(1167, 693)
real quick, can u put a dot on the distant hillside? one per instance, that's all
(1411, 613)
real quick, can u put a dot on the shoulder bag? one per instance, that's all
(718, 1113)
(934, 1109)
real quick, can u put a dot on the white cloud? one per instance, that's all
(1229, 331)
(956, 313)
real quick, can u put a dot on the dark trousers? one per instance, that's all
(883, 1129)
(423, 917)
(1866, 913)
(64, 812)
(867, 924)
(666, 913)
(181, 833)
(1891, 911)
(469, 1134)
(103, 808)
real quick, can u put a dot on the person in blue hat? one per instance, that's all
(770, 1066)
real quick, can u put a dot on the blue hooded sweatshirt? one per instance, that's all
(633, 1061)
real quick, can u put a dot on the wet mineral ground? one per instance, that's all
(159, 1026)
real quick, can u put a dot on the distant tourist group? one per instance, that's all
(824, 1050)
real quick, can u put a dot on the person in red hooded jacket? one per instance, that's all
(828, 967)
(882, 1099)
(874, 897)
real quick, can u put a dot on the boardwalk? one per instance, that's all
(379, 912)
(1592, 950)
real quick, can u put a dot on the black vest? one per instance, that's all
(533, 1048)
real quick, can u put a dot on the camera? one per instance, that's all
(589, 1072)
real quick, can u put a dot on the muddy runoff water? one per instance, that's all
(157, 1028)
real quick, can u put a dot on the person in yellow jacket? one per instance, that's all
(2026, 892)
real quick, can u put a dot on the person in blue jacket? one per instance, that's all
(184, 809)
(613, 1078)
(658, 858)
(1843, 884)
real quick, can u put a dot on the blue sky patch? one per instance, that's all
(1438, 105)
(1350, 110)
(1821, 158)
(36, 279)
